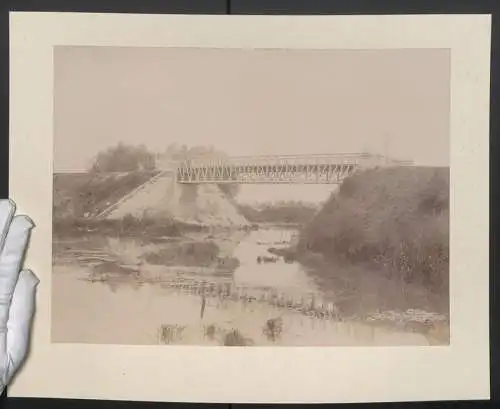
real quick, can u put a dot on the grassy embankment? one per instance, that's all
(78, 195)
(382, 242)
(78, 198)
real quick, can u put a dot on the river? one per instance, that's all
(173, 310)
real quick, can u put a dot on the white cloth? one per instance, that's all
(17, 291)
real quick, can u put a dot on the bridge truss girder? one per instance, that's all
(260, 173)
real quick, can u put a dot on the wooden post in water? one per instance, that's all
(313, 303)
(203, 305)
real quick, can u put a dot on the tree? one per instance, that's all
(124, 158)
(183, 152)
(231, 190)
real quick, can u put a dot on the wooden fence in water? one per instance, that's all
(312, 304)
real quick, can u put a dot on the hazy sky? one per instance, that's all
(249, 102)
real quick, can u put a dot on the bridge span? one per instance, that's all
(177, 180)
(279, 169)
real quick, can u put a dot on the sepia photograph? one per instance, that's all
(251, 197)
(312, 190)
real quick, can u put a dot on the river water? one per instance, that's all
(173, 309)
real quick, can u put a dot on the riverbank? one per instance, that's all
(254, 305)
(361, 295)
(89, 193)
(380, 247)
(395, 221)
(95, 313)
(375, 254)
(132, 252)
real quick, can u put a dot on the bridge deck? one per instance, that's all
(320, 173)
(291, 169)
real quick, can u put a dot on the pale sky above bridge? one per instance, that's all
(248, 102)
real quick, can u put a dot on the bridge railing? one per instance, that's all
(360, 160)
(270, 160)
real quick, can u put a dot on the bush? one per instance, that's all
(190, 254)
(124, 158)
(231, 190)
(235, 338)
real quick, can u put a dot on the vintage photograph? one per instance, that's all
(251, 197)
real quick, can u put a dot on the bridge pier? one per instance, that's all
(187, 195)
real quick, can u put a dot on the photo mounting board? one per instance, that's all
(261, 375)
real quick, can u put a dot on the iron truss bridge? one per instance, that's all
(289, 169)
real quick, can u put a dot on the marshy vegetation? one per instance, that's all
(271, 330)
(127, 227)
(190, 253)
(168, 334)
(126, 258)
(384, 235)
(171, 334)
(235, 338)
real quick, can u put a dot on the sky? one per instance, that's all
(251, 102)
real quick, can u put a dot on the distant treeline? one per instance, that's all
(281, 212)
(182, 152)
(115, 172)
(130, 158)
(123, 158)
